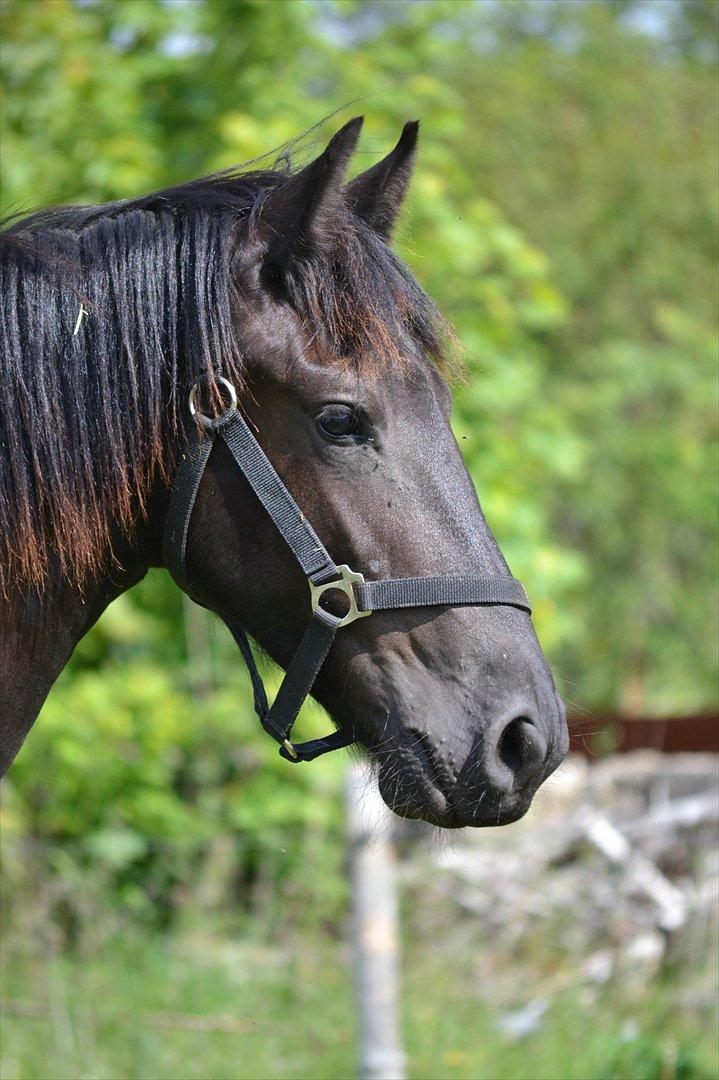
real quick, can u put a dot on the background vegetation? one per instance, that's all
(564, 216)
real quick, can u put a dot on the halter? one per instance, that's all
(322, 573)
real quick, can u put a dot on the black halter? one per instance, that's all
(322, 573)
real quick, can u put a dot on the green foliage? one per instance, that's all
(563, 216)
(616, 146)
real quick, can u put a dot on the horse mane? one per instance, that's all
(112, 312)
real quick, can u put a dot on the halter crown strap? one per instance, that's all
(322, 572)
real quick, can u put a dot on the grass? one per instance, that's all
(153, 1006)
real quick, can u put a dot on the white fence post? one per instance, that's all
(375, 928)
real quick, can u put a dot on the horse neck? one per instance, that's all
(39, 629)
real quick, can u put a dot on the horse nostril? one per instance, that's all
(520, 747)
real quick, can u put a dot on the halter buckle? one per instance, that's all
(348, 579)
(291, 749)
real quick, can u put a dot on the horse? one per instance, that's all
(266, 308)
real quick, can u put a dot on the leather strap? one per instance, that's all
(183, 493)
(300, 537)
(303, 542)
(299, 679)
(452, 589)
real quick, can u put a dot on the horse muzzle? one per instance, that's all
(429, 775)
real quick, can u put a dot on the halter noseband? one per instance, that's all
(322, 574)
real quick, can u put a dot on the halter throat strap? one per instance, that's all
(321, 571)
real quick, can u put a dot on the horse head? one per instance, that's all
(342, 385)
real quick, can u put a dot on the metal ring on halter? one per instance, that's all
(206, 421)
(348, 579)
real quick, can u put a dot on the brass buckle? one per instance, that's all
(289, 747)
(348, 579)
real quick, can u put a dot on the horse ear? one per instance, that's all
(377, 194)
(299, 215)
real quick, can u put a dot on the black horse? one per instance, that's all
(284, 285)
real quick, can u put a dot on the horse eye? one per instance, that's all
(338, 421)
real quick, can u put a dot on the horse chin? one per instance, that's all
(412, 790)
(415, 798)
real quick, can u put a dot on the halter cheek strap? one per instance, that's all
(322, 574)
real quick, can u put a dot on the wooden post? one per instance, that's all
(375, 928)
